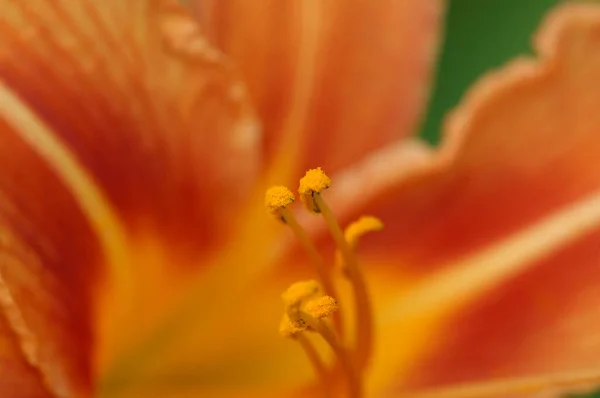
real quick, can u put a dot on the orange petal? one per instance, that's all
(20, 378)
(333, 81)
(515, 184)
(134, 94)
(49, 259)
(514, 211)
(520, 147)
(128, 146)
(540, 323)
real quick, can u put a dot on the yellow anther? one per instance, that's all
(312, 183)
(304, 305)
(278, 198)
(321, 307)
(360, 227)
(289, 328)
(301, 291)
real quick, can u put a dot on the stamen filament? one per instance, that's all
(316, 362)
(503, 388)
(352, 376)
(364, 327)
(323, 274)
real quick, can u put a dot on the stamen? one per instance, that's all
(301, 291)
(277, 200)
(307, 305)
(305, 311)
(354, 232)
(311, 185)
(289, 328)
(298, 294)
(360, 227)
(316, 362)
(321, 307)
(293, 330)
(352, 375)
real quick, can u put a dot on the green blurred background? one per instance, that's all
(480, 35)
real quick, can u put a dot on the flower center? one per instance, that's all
(310, 304)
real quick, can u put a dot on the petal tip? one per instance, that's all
(560, 21)
(550, 42)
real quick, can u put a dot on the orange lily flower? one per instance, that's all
(137, 261)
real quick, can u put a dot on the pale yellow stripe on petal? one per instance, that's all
(550, 385)
(471, 276)
(93, 203)
(64, 163)
(310, 20)
(420, 311)
(27, 341)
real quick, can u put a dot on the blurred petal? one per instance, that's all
(19, 378)
(119, 126)
(236, 351)
(512, 209)
(49, 259)
(521, 146)
(332, 81)
(540, 323)
(139, 89)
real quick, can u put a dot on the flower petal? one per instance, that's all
(139, 89)
(540, 323)
(226, 348)
(519, 148)
(128, 150)
(19, 378)
(334, 80)
(49, 261)
(515, 196)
